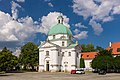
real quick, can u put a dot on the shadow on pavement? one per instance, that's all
(2, 75)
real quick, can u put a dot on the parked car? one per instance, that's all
(95, 70)
(117, 70)
(80, 71)
(102, 72)
(73, 71)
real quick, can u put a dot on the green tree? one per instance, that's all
(29, 55)
(88, 48)
(104, 60)
(117, 62)
(82, 63)
(98, 49)
(7, 60)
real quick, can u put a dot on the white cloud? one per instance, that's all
(50, 20)
(15, 10)
(47, 0)
(80, 25)
(82, 35)
(116, 10)
(17, 52)
(50, 4)
(76, 31)
(109, 18)
(12, 30)
(98, 10)
(96, 26)
(22, 28)
(20, 0)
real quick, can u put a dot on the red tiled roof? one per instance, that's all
(88, 55)
(114, 48)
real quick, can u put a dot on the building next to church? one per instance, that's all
(88, 57)
(59, 52)
(114, 47)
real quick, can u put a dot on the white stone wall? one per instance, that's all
(57, 36)
(70, 61)
(87, 64)
(65, 63)
(59, 42)
(52, 58)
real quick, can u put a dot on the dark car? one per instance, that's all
(102, 72)
(95, 70)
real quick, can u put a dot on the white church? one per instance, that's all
(59, 52)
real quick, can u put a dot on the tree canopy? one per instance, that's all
(98, 48)
(82, 63)
(88, 48)
(117, 62)
(91, 48)
(29, 55)
(104, 60)
(7, 60)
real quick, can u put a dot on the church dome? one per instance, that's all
(60, 28)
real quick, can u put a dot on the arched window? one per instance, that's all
(63, 44)
(58, 21)
(62, 53)
(53, 36)
(69, 54)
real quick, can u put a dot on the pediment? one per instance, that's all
(47, 45)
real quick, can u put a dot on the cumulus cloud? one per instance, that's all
(96, 26)
(17, 52)
(99, 11)
(116, 10)
(79, 25)
(12, 30)
(15, 10)
(50, 20)
(81, 35)
(20, 0)
(23, 28)
(47, 0)
(76, 31)
(50, 4)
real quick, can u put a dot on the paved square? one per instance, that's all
(58, 76)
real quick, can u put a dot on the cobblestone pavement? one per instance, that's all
(58, 76)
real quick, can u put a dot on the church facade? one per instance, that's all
(59, 52)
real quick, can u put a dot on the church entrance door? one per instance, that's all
(47, 66)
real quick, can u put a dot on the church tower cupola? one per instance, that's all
(60, 19)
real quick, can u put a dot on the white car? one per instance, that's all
(80, 71)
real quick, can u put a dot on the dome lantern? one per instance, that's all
(60, 19)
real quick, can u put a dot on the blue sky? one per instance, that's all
(91, 21)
